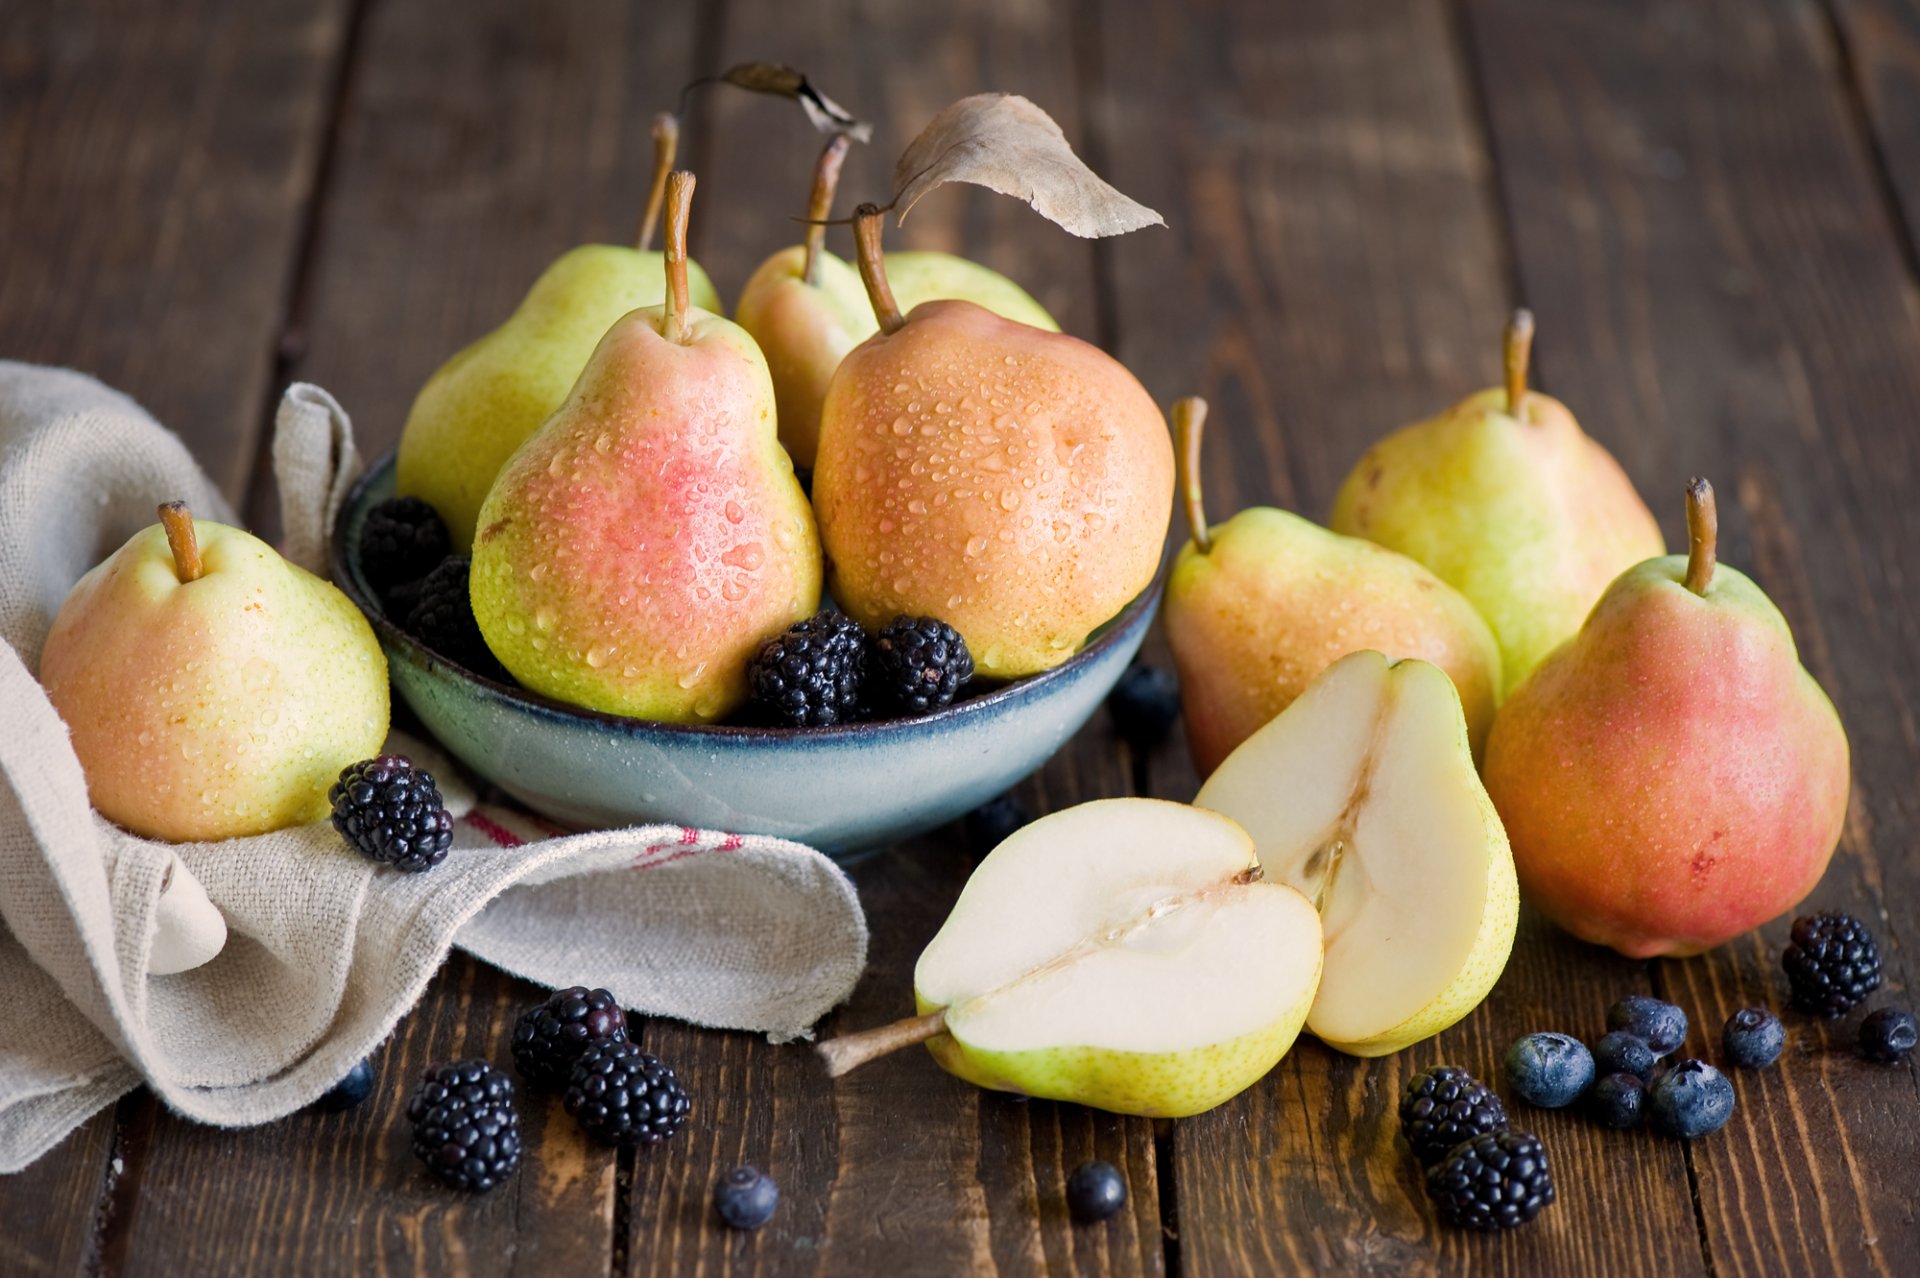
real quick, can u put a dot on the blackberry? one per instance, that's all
(1618, 1100)
(994, 822)
(811, 674)
(391, 811)
(1752, 1038)
(1495, 1181)
(349, 1091)
(1832, 963)
(548, 1039)
(1549, 1070)
(1692, 1099)
(442, 619)
(1442, 1107)
(1618, 1052)
(916, 665)
(1888, 1035)
(1095, 1191)
(1660, 1023)
(623, 1096)
(1144, 704)
(745, 1198)
(465, 1128)
(402, 540)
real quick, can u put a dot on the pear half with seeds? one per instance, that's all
(1125, 954)
(1362, 794)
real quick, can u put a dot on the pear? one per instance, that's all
(1013, 482)
(484, 402)
(1671, 776)
(213, 689)
(651, 535)
(1125, 954)
(1506, 500)
(807, 308)
(1260, 605)
(1362, 794)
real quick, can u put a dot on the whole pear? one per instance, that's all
(651, 535)
(213, 689)
(1671, 776)
(1258, 606)
(1508, 501)
(1013, 482)
(807, 308)
(482, 404)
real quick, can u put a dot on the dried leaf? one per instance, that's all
(1007, 144)
(827, 115)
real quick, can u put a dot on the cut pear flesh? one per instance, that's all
(1124, 954)
(1362, 794)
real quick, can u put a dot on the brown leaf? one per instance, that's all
(827, 115)
(1007, 144)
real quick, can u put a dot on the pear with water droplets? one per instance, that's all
(1014, 482)
(651, 535)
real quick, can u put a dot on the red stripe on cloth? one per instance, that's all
(494, 830)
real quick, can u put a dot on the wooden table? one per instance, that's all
(1711, 207)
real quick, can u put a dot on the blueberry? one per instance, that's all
(745, 1198)
(1549, 1070)
(1619, 1052)
(1692, 1099)
(993, 822)
(1661, 1024)
(349, 1091)
(1888, 1035)
(1753, 1038)
(1144, 705)
(1618, 1100)
(1095, 1191)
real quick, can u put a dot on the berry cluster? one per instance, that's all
(1622, 1078)
(1481, 1173)
(392, 813)
(406, 555)
(826, 670)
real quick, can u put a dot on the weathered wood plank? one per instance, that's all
(155, 166)
(1698, 226)
(897, 1168)
(1336, 269)
(471, 152)
(49, 1212)
(1880, 43)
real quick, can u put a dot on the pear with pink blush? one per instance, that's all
(644, 542)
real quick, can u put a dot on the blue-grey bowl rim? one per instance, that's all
(1112, 631)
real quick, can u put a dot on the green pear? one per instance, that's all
(1258, 606)
(1672, 776)
(1362, 794)
(487, 400)
(1508, 501)
(213, 689)
(639, 548)
(1125, 954)
(807, 308)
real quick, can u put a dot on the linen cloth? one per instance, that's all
(325, 951)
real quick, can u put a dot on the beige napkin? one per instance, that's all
(325, 951)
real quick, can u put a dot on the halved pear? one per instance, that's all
(1124, 954)
(1362, 794)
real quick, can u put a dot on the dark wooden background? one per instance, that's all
(1711, 207)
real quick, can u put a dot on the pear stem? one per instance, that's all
(826, 180)
(1703, 535)
(850, 1051)
(1189, 423)
(178, 521)
(868, 226)
(666, 144)
(679, 207)
(1516, 349)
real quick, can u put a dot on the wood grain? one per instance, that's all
(1703, 240)
(1879, 44)
(51, 1213)
(1336, 270)
(158, 162)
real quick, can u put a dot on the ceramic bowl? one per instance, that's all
(841, 789)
